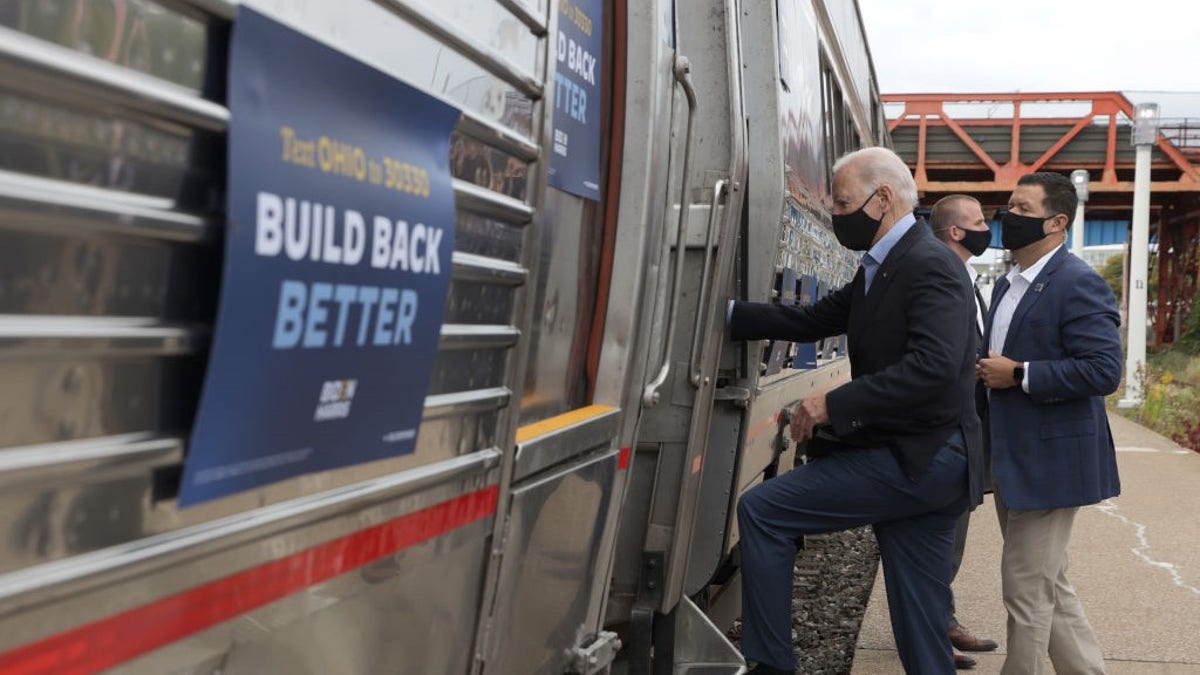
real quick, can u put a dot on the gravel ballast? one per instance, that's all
(833, 577)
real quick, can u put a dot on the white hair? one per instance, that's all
(880, 166)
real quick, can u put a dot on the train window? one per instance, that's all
(51, 132)
(831, 114)
(485, 166)
(565, 299)
(849, 133)
(876, 109)
(841, 134)
(568, 278)
(137, 34)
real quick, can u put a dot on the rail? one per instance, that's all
(694, 374)
(1183, 133)
(650, 394)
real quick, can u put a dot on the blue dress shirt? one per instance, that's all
(879, 252)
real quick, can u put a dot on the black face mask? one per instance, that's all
(976, 241)
(1017, 232)
(856, 230)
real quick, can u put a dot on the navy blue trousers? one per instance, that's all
(913, 523)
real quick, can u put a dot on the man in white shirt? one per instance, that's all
(958, 221)
(1054, 353)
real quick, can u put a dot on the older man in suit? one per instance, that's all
(1054, 354)
(901, 440)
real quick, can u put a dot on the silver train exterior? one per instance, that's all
(588, 427)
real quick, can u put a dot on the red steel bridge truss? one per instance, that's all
(980, 144)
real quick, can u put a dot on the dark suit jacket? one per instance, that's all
(1052, 448)
(912, 343)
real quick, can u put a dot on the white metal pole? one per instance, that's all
(1077, 231)
(1139, 261)
(1080, 179)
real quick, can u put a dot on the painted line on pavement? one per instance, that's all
(1110, 508)
(1130, 448)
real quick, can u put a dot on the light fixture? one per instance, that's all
(1145, 124)
(1080, 178)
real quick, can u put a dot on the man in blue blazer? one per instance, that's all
(902, 438)
(1054, 354)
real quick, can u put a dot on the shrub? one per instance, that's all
(1171, 382)
(1189, 339)
(1113, 270)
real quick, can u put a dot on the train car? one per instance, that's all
(567, 502)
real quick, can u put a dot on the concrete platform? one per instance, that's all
(1135, 562)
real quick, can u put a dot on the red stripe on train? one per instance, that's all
(114, 639)
(624, 458)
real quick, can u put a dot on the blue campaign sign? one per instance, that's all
(780, 349)
(575, 155)
(337, 262)
(806, 352)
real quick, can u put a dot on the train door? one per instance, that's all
(112, 177)
(601, 303)
(797, 78)
(544, 598)
(677, 503)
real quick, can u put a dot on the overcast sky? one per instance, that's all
(1141, 47)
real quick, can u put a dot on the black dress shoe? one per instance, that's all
(962, 661)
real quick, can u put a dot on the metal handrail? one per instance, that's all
(478, 336)
(536, 24)
(41, 204)
(34, 61)
(1182, 132)
(699, 432)
(487, 270)
(682, 71)
(463, 402)
(705, 283)
(453, 36)
(490, 204)
(24, 336)
(497, 136)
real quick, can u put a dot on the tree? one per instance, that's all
(1189, 337)
(1113, 272)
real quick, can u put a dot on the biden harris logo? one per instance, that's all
(335, 400)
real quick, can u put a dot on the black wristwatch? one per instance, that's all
(1019, 374)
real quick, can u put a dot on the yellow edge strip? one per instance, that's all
(530, 431)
